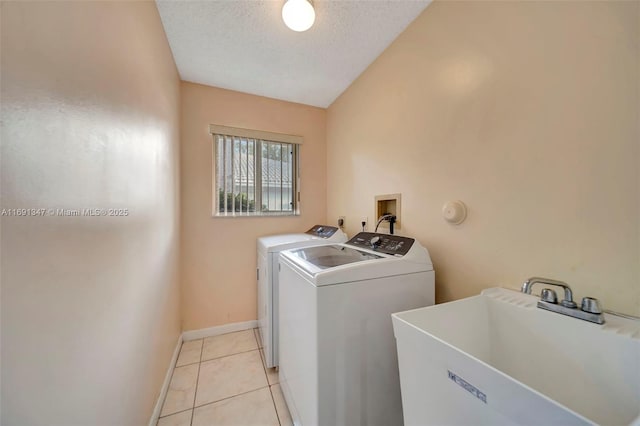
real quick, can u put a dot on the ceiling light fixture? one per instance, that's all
(298, 15)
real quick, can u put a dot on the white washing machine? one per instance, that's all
(268, 250)
(338, 360)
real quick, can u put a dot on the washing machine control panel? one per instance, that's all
(322, 231)
(389, 244)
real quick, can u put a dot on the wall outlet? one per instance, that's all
(364, 220)
(341, 221)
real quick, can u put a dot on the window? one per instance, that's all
(256, 173)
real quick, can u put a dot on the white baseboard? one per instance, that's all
(165, 385)
(220, 329)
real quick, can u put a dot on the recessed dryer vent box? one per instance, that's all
(388, 204)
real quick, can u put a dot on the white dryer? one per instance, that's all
(338, 360)
(268, 250)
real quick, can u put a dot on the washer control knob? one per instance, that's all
(375, 242)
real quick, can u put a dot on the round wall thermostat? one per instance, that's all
(454, 212)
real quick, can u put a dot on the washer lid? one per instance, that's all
(342, 263)
(324, 257)
(280, 242)
(319, 234)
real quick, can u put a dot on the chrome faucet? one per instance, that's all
(589, 311)
(568, 294)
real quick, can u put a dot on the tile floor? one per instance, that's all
(222, 380)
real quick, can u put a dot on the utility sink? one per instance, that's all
(497, 359)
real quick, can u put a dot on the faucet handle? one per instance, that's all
(549, 295)
(591, 305)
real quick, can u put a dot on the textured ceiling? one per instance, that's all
(243, 45)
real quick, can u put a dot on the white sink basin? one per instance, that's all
(497, 359)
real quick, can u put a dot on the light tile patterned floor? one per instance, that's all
(222, 380)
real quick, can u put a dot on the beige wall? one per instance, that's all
(90, 305)
(526, 111)
(218, 255)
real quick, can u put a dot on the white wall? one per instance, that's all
(526, 111)
(90, 305)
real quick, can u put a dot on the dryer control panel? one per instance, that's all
(389, 244)
(322, 231)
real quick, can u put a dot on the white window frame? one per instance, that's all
(258, 136)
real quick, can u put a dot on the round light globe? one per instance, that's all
(298, 14)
